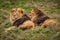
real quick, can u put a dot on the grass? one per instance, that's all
(48, 33)
(50, 7)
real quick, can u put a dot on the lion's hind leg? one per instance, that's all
(26, 25)
(49, 22)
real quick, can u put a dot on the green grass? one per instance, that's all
(49, 33)
(50, 7)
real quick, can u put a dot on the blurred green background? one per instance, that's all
(50, 7)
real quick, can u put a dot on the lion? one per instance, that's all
(19, 19)
(41, 19)
(15, 14)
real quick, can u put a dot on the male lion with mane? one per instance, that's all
(41, 19)
(20, 20)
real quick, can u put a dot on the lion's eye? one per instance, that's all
(14, 15)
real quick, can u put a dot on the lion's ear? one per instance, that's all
(13, 10)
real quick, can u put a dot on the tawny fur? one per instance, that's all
(38, 14)
(49, 22)
(15, 14)
(18, 13)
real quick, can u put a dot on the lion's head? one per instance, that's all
(16, 13)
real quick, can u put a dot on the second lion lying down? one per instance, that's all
(41, 19)
(20, 20)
